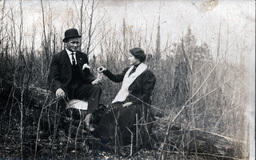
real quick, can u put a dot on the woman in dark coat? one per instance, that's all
(134, 98)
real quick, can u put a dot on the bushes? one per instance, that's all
(213, 90)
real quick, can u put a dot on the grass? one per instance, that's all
(194, 90)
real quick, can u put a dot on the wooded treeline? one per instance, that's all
(199, 100)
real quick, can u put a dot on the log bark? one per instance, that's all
(202, 143)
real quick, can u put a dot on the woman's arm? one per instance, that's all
(148, 85)
(115, 77)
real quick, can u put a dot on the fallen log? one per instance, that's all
(215, 145)
(202, 143)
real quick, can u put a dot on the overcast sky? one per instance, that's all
(236, 17)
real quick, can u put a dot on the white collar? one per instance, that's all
(139, 69)
(69, 52)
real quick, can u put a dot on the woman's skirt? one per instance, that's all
(123, 125)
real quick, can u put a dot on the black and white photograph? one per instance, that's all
(127, 80)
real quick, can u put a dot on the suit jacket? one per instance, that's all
(141, 88)
(61, 72)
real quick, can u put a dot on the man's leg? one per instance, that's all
(91, 93)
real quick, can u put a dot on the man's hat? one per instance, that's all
(71, 33)
(138, 53)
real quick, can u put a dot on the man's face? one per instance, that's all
(133, 60)
(74, 44)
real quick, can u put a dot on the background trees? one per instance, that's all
(195, 90)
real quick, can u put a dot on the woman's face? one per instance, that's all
(133, 60)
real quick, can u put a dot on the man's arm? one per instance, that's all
(88, 77)
(54, 75)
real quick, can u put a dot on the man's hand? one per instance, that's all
(60, 93)
(98, 79)
(127, 104)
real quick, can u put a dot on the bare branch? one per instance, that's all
(90, 27)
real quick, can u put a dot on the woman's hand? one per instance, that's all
(127, 104)
(101, 69)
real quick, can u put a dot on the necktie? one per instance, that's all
(73, 59)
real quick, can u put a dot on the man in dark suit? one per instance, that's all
(70, 76)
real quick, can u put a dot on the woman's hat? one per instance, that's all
(138, 53)
(71, 33)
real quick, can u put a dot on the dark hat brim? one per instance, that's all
(67, 38)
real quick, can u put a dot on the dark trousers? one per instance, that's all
(88, 92)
